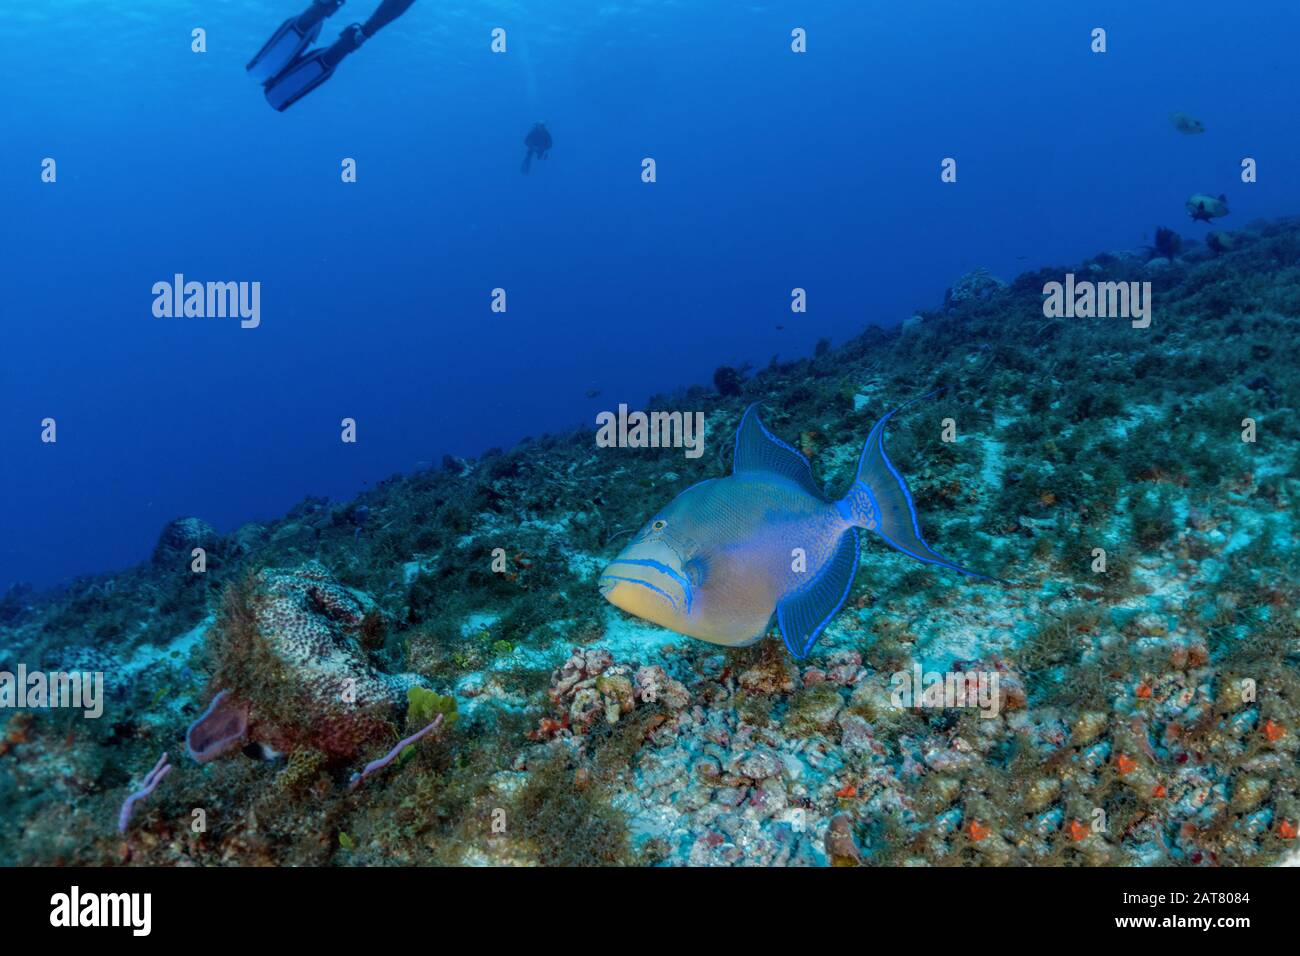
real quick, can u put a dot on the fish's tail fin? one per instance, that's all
(880, 501)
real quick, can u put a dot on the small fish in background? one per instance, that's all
(728, 553)
(593, 393)
(1186, 123)
(1203, 208)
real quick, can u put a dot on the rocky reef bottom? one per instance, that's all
(427, 674)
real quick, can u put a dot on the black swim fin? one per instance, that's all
(288, 42)
(310, 71)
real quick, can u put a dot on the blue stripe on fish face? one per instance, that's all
(662, 569)
(644, 584)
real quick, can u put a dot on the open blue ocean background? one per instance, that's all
(775, 170)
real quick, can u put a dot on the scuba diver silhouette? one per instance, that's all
(538, 142)
(287, 73)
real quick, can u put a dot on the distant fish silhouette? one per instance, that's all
(1186, 123)
(728, 553)
(1203, 208)
(593, 393)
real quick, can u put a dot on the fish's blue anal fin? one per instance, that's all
(881, 502)
(758, 451)
(804, 613)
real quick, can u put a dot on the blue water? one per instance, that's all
(775, 170)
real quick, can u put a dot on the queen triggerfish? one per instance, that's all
(728, 553)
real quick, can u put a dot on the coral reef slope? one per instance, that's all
(1137, 487)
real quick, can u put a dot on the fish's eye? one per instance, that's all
(659, 525)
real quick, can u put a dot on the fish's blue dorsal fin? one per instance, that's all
(758, 451)
(803, 614)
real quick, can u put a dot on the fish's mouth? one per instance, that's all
(619, 591)
(652, 575)
(647, 589)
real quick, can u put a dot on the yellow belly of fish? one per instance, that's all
(732, 624)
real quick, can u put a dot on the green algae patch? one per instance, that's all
(423, 706)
